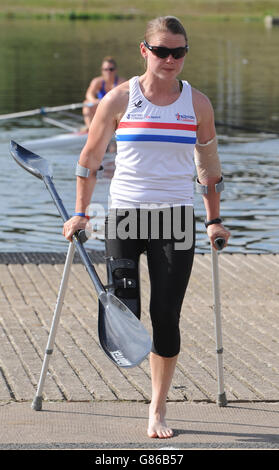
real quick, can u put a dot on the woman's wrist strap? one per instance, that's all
(81, 214)
(212, 221)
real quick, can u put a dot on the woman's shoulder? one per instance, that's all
(201, 102)
(118, 92)
(95, 85)
(96, 81)
(200, 99)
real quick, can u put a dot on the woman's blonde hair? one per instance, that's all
(163, 24)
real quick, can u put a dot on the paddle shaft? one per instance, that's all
(43, 111)
(56, 123)
(84, 256)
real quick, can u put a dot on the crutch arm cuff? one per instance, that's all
(85, 172)
(82, 171)
(203, 189)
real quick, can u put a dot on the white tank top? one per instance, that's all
(154, 163)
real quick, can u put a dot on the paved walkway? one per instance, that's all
(100, 405)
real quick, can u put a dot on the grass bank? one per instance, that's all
(130, 9)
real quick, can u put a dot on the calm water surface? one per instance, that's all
(45, 64)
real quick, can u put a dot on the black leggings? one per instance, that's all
(169, 264)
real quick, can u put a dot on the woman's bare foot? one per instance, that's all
(157, 426)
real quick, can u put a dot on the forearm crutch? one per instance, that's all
(219, 243)
(37, 402)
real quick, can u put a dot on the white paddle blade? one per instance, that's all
(122, 336)
(36, 165)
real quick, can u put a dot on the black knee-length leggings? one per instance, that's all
(169, 264)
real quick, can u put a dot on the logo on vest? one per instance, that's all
(147, 116)
(138, 104)
(135, 116)
(184, 117)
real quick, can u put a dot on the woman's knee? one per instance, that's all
(166, 336)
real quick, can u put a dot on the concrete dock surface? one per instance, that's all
(90, 403)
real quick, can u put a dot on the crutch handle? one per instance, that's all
(219, 243)
(81, 235)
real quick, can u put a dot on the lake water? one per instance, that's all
(46, 63)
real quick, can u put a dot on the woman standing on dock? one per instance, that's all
(160, 123)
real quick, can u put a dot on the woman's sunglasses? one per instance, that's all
(164, 52)
(108, 69)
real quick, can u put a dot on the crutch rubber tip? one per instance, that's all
(222, 400)
(37, 403)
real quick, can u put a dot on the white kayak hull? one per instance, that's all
(70, 139)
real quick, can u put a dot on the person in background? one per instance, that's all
(99, 87)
